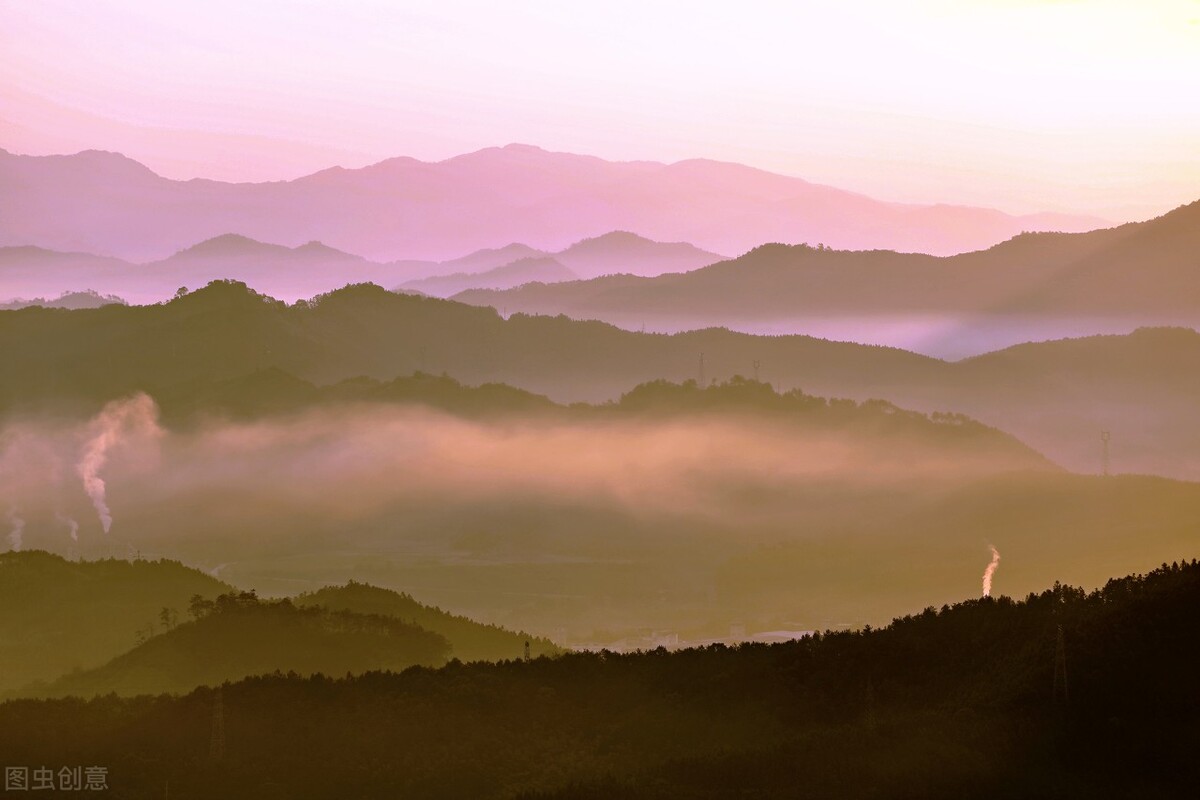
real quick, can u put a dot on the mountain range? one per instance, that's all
(1136, 274)
(402, 208)
(85, 299)
(294, 273)
(1055, 396)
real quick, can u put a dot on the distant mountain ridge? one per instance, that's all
(1144, 272)
(69, 300)
(618, 252)
(518, 273)
(402, 208)
(294, 273)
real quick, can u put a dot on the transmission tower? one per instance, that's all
(217, 743)
(1104, 437)
(756, 364)
(702, 384)
(1060, 669)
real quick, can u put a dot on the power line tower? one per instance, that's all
(702, 383)
(1104, 437)
(216, 746)
(527, 650)
(1060, 669)
(756, 364)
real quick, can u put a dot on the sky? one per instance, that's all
(1086, 106)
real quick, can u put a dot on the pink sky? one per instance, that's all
(1017, 104)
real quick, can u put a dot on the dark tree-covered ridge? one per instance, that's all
(952, 702)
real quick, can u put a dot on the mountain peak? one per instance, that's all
(315, 249)
(517, 147)
(227, 245)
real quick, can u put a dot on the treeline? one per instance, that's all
(956, 702)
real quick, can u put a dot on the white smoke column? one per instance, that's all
(990, 571)
(113, 422)
(16, 535)
(70, 523)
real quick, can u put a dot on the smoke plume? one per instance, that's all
(16, 535)
(71, 524)
(110, 425)
(990, 571)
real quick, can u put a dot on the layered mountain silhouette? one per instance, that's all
(402, 208)
(619, 252)
(88, 627)
(84, 299)
(518, 273)
(1055, 396)
(294, 273)
(1140, 272)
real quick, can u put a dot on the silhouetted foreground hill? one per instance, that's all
(1044, 393)
(238, 635)
(961, 702)
(468, 639)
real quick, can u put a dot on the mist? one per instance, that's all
(347, 463)
(567, 525)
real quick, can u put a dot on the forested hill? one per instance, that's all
(239, 635)
(91, 627)
(950, 703)
(226, 334)
(58, 615)
(469, 640)
(274, 392)
(226, 331)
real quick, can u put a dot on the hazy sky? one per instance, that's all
(1018, 104)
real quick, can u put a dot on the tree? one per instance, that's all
(199, 607)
